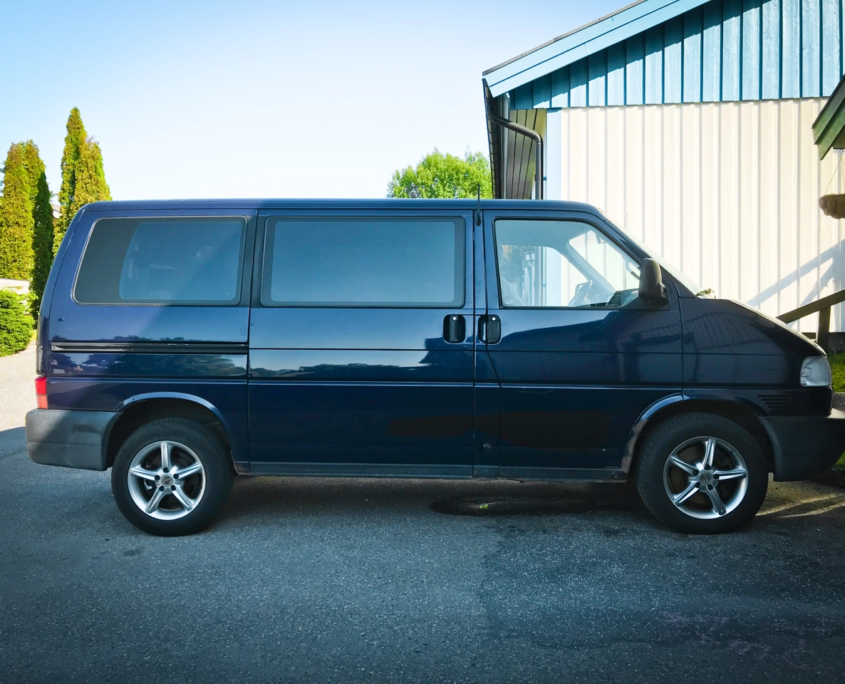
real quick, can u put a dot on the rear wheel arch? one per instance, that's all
(736, 412)
(142, 411)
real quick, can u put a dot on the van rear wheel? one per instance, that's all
(702, 473)
(171, 477)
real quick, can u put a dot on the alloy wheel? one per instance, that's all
(705, 478)
(166, 480)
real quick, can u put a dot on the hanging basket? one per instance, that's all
(833, 205)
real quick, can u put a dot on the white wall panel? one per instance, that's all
(727, 191)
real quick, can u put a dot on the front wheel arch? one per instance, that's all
(736, 412)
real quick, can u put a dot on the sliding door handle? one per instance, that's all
(454, 328)
(490, 329)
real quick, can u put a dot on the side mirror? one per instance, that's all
(652, 288)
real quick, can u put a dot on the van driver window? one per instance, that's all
(561, 264)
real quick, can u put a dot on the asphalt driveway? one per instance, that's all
(401, 581)
(406, 581)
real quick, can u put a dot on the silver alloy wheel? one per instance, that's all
(705, 477)
(166, 480)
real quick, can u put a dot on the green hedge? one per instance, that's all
(15, 323)
(837, 367)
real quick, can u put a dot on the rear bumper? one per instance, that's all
(805, 446)
(73, 439)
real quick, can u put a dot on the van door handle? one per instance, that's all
(454, 328)
(490, 329)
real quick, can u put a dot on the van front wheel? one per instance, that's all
(702, 473)
(171, 477)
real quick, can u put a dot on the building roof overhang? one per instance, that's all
(582, 42)
(829, 126)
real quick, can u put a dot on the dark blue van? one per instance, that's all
(180, 343)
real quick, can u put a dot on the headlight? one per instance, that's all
(815, 372)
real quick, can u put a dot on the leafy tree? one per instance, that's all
(446, 176)
(16, 223)
(42, 215)
(91, 183)
(74, 142)
(15, 323)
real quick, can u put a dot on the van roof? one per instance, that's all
(148, 205)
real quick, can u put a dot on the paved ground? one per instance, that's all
(400, 581)
(17, 387)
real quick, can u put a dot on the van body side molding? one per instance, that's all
(151, 347)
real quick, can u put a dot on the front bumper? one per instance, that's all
(73, 439)
(805, 446)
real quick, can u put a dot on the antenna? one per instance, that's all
(478, 210)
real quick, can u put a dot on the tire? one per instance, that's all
(711, 499)
(152, 495)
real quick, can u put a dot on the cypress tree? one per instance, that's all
(74, 142)
(90, 178)
(42, 215)
(16, 223)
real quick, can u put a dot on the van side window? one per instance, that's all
(561, 264)
(162, 261)
(367, 262)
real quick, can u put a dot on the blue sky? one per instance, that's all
(261, 99)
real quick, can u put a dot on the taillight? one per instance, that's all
(41, 392)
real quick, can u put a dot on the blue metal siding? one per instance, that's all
(810, 44)
(771, 49)
(598, 79)
(616, 74)
(751, 46)
(693, 33)
(654, 65)
(831, 43)
(731, 48)
(635, 70)
(673, 60)
(711, 58)
(791, 41)
(724, 50)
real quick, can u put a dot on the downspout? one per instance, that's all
(529, 133)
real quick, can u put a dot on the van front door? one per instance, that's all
(361, 344)
(577, 354)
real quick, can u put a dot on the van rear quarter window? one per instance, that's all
(162, 261)
(371, 262)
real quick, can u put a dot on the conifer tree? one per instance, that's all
(90, 178)
(16, 223)
(42, 215)
(74, 142)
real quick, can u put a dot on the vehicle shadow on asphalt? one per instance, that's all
(350, 496)
(275, 498)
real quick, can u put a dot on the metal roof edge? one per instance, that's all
(590, 38)
(560, 37)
